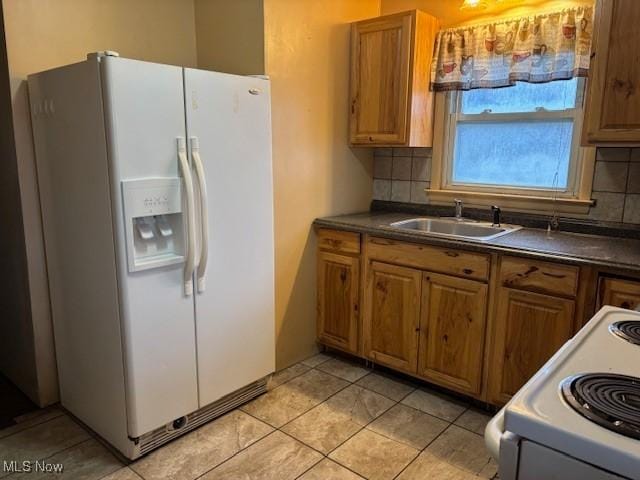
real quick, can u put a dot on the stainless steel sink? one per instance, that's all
(469, 230)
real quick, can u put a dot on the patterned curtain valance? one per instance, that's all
(540, 48)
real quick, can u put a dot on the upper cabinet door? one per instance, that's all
(390, 63)
(612, 115)
(392, 311)
(380, 80)
(452, 327)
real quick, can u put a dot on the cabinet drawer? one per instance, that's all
(427, 257)
(523, 274)
(339, 241)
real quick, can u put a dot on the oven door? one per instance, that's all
(538, 462)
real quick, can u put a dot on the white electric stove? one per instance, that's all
(579, 416)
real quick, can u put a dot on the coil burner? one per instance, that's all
(628, 330)
(610, 400)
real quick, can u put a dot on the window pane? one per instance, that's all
(523, 97)
(519, 154)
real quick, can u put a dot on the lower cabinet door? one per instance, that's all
(452, 328)
(619, 293)
(338, 293)
(392, 315)
(529, 329)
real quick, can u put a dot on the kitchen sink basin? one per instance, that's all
(455, 228)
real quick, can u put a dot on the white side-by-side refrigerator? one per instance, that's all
(156, 190)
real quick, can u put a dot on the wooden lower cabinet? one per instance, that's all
(619, 293)
(452, 328)
(392, 315)
(528, 329)
(482, 325)
(338, 300)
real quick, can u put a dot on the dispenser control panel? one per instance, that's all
(153, 222)
(151, 196)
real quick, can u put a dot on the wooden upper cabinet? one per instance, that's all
(612, 114)
(619, 293)
(392, 315)
(529, 328)
(390, 72)
(452, 327)
(338, 300)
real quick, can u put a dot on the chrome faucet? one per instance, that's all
(458, 203)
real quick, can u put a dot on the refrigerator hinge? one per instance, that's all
(102, 53)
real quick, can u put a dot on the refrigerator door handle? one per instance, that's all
(190, 244)
(204, 214)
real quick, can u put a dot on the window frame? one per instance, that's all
(576, 198)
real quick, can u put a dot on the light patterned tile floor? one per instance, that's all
(323, 418)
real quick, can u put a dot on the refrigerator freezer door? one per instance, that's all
(144, 111)
(235, 313)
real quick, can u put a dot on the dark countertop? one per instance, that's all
(575, 248)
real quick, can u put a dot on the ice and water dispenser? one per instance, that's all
(153, 219)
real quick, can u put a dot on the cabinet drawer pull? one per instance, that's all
(381, 241)
(554, 275)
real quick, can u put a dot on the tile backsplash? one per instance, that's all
(402, 174)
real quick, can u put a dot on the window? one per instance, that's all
(520, 141)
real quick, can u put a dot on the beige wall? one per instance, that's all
(42, 34)
(230, 36)
(315, 172)
(449, 13)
